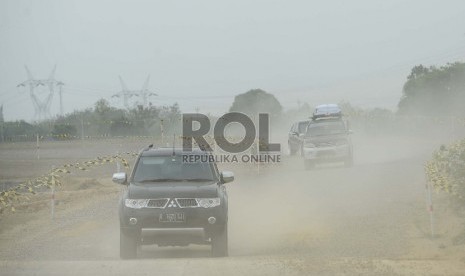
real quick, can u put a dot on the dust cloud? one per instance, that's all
(322, 221)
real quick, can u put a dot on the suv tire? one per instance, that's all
(127, 245)
(220, 242)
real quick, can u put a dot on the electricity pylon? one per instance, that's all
(144, 93)
(126, 94)
(42, 107)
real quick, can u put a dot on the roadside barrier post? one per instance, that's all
(118, 164)
(429, 200)
(38, 147)
(82, 129)
(52, 198)
(162, 131)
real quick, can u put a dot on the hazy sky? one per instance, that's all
(202, 53)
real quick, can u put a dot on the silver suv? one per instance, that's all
(327, 139)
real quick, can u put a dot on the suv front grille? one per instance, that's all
(157, 203)
(325, 144)
(187, 202)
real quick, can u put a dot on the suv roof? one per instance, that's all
(327, 111)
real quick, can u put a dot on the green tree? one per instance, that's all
(143, 118)
(19, 130)
(122, 126)
(64, 131)
(446, 173)
(434, 91)
(171, 116)
(102, 119)
(105, 116)
(256, 101)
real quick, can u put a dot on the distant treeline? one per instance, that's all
(101, 121)
(429, 94)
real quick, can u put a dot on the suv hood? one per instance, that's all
(180, 189)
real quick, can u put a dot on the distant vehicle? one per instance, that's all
(171, 202)
(327, 138)
(327, 111)
(296, 137)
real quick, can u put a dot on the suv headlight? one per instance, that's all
(136, 203)
(208, 202)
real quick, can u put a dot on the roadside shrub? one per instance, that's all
(446, 169)
(64, 131)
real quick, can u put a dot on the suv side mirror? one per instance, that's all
(227, 176)
(120, 178)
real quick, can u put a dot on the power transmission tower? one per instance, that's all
(42, 107)
(60, 93)
(145, 94)
(126, 94)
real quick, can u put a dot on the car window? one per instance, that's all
(153, 168)
(293, 128)
(326, 128)
(303, 127)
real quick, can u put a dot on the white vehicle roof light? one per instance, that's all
(327, 110)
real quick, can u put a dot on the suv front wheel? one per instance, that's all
(220, 242)
(127, 245)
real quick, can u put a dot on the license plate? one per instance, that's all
(174, 217)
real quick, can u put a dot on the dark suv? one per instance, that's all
(173, 198)
(296, 137)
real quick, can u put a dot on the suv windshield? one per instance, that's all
(169, 168)
(325, 128)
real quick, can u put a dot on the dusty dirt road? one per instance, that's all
(365, 220)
